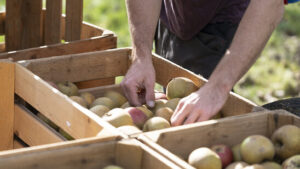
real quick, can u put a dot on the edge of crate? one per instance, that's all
(43, 96)
(117, 64)
(93, 38)
(87, 152)
(152, 138)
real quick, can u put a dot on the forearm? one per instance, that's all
(259, 21)
(143, 16)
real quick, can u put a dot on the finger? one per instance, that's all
(178, 109)
(181, 115)
(131, 93)
(203, 117)
(149, 85)
(192, 117)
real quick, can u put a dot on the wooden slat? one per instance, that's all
(99, 43)
(32, 130)
(89, 156)
(32, 23)
(86, 154)
(13, 25)
(141, 156)
(155, 147)
(53, 22)
(18, 144)
(74, 14)
(95, 83)
(2, 23)
(71, 117)
(23, 24)
(166, 70)
(2, 47)
(90, 30)
(7, 76)
(230, 131)
(81, 67)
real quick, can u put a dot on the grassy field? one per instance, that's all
(275, 75)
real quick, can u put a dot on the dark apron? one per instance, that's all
(202, 53)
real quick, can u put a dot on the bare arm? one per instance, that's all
(260, 19)
(143, 16)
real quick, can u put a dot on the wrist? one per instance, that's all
(141, 54)
(224, 86)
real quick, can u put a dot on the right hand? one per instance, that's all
(138, 83)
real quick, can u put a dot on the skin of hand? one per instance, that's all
(199, 106)
(254, 30)
(138, 84)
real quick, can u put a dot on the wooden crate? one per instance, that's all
(86, 154)
(31, 32)
(20, 88)
(177, 143)
(102, 65)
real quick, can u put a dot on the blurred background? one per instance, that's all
(275, 75)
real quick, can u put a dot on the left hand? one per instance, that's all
(199, 106)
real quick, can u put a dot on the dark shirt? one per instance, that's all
(186, 18)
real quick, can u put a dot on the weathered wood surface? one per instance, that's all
(23, 24)
(74, 14)
(32, 130)
(53, 14)
(68, 115)
(98, 43)
(7, 83)
(91, 154)
(181, 141)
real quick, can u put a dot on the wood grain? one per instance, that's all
(71, 117)
(32, 130)
(74, 14)
(81, 67)
(7, 83)
(99, 43)
(52, 31)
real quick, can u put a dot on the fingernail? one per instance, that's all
(150, 103)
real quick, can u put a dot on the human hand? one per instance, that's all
(138, 84)
(199, 106)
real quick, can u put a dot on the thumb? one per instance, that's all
(149, 86)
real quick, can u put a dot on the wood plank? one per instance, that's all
(90, 30)
(13, 25)
(95, 83)
(166, 70)
(230, 131)
(32, 130)
(91, 156)
(81, 67)
(74, 14)
(71, 117)
(18, 144)
(52, 31)
(7, 83)
(31, 16)
(2, 23)
(2, 47)
(141, 156)
(96, 44)
(279, 118)
(23, 24)
(162, 151)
